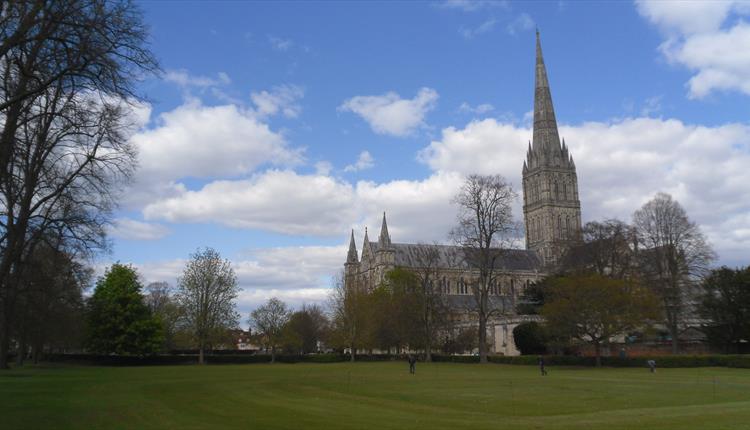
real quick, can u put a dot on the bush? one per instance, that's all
(530, 338)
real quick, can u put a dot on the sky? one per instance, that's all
(278, 127)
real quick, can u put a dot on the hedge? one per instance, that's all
(668, 361)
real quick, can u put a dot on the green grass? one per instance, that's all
(373, 395)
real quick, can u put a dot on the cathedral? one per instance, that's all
(552, 217)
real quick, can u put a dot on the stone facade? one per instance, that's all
(552, 215)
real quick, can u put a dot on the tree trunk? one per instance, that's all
(598, 351)
(200, 353)
(673, 331)
(4, 345)
(428, 353)
(273, 354)
(482, 339)
(21, 351)
(351, 353)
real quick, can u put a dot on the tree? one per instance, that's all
(118, 320)
(67, 75)
(607, 248)
(51, 309)
(305, 329)
(348, 308)
(484, 231)
(530, 338)
(163, 304)
(430, 303)
(725, 307)
(206, 292)
(673, 256)
(593, 308)
(269, 321)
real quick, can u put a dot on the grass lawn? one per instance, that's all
(373, 395)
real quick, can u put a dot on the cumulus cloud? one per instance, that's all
(130, 229)
(698, 36)
(209, 141)
(364, 161)
(622, 164)
(390, 114)
(276, 200)
(281, 99)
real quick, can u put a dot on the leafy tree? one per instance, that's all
(269, 320)
(484, 231)
(725, 306)
(206, 292)
(530, 338)
(674, 255)
(304, 330)
(593, 308)
(119, 322)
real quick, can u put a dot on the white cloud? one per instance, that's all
(390, 114)
(209, 141)
(279, 43)
(622, 164)
(472, 5)
(697, 37)
(277, 200)
(485, 27)
(281, 99)
(364, 161)
(478, 110)
(183, 79)
(130, 229)
(523, 22)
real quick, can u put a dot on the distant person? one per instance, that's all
(623, 353)
(651, 365)
(412, 363)
(541, 366)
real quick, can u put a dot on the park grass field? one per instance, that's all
(372, 396)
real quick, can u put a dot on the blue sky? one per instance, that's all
(277, 127)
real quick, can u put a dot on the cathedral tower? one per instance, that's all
(551, 209)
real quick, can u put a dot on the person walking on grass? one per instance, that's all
(651, 365)
(541, 366)
(412, 363)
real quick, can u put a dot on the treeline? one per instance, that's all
(401, 315)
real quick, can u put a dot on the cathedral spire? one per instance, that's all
(545, 138)
(385, 238)
(352, 256)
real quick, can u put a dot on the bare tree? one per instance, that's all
(433, 309)
(67, 73)
(674, 254)
(269, 320)
(348, 308)
(485, 231)
(206, 293)
(160, 298)
(607, 248)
